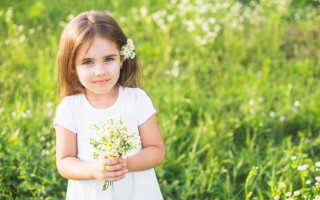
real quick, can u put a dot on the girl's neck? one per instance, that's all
(105, 100)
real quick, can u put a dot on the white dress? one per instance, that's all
(76, 114)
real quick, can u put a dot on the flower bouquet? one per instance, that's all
(114, 140)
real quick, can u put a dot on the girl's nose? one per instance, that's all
(100, 69)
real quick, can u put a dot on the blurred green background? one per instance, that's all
(235, 85)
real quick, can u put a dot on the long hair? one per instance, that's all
(81, 30)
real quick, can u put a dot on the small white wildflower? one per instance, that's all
(282, 118)
(316, 184)
(212, 34)
(20, 28)
(251, 102)
(294, 109)
(14, 114)
(300, 167)
(272, 114)
(261, 99)
(28, 111)
(22, 38)
(282, 184)
(31, 31)
(49, 104)
(293, 157)
(296, 193)
(317, 178)
(70, 17)
(288, 194)
(205, 27)
(317, 164)
(24, 115)
(217, 27)
(317, 197)
(308, 182)
(122, 19)
(212, 20)
(296, 103)
(176, 63)
(251, 111)
(276, 197)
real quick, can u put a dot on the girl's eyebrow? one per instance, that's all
(110, 55)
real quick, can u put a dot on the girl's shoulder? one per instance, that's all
(72, 101)
(72, 98)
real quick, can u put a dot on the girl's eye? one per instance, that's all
(109, 59)
(87, 62)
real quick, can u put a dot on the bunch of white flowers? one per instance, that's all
(127, 50)
(114, 140)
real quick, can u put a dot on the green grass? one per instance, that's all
(201, 78)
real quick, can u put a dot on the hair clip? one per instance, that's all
(127, 50)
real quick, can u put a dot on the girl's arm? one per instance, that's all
(153, 149)
(70, 167)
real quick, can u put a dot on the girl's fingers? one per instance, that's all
(113, 179)
(114, 176)
(112, 168)
(112, 161)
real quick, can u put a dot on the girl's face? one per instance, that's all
(98, 67)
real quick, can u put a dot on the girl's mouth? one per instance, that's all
(101, 82)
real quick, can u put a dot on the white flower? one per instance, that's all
(282, 184)
(276, 197)
(272, 114)
(294, 109)
(300, 167)
(22, 38)
(251, 102)
(308, 182)
(282, 118)
(133, 55)
(317, 178)
(212, 20)
(288, 194)
(251, 111)
(31, 31)
(293, 157)
(317, 197)
(317, 164)
(129, 41)
(296, 103)
(296, 193)
(217, 27)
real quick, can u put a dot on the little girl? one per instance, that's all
(98, 71)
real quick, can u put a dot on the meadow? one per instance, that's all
(235, 84)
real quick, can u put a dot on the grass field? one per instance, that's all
(235, 84)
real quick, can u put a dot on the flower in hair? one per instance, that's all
(127, 50)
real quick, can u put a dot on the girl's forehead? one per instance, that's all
(96, 44)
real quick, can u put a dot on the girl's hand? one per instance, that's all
(114, 171)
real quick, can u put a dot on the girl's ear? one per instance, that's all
(121, 62)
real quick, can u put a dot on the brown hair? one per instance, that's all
(83, 29)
